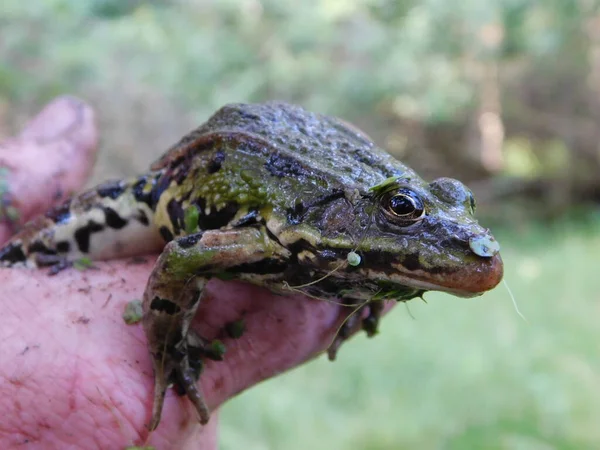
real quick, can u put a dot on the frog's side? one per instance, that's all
(276, 196)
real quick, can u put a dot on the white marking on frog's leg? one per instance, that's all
(112, 228)
(173, 294)
(110, 221)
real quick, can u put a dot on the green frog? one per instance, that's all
(277, 196)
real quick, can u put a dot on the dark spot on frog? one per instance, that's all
(63, 247)
(176, 214)
(284, 166)
(82, 320)
(299, 245)
(142, 217)
(363, 156)
(164, 305)
(39, 247)
(215, 219)
(335, 194)
(214, 165)
(411, 261)
(161, 185)
(295, 214)
(12, 253)
(113, 219)
(166, 233)
(380, 260)
(82, 235)
(142, 196)
(262, 267)
(189, 241)
(60, 213)
(111, 189)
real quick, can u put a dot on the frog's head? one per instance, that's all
(425, 237)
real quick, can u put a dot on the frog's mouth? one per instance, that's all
(471, 280)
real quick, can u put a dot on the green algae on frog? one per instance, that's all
(279, 197)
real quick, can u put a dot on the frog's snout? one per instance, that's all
(484, 245)
(489, 270)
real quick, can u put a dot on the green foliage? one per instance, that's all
(346, 57)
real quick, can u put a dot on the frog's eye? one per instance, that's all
(404, 206)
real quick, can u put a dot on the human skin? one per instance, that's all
(72, 373)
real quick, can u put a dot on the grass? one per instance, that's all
(463, 374)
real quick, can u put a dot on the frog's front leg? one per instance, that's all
(174, 292)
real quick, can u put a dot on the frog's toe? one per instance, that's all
(196, 352)
(344, 332)
(186, 378)
(371, 323)
(55, 263)
(182, 370)
(160, 389)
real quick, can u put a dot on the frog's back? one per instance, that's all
(295, 143)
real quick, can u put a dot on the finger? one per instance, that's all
(51, 158)
(73, 372)
(65, 344)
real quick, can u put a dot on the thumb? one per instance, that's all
(49, 159)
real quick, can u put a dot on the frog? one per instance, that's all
(276, 196)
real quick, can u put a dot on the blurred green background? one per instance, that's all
(504, 95)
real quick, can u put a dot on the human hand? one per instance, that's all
(72, 373)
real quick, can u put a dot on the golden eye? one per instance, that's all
(404, 205)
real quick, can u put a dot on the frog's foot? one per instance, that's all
(48, 258)
(371, 323)
(199, 349)
(59, 266)
(173, 294)
(345, 330)
(180, 366)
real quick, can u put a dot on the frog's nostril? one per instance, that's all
(484, 245)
